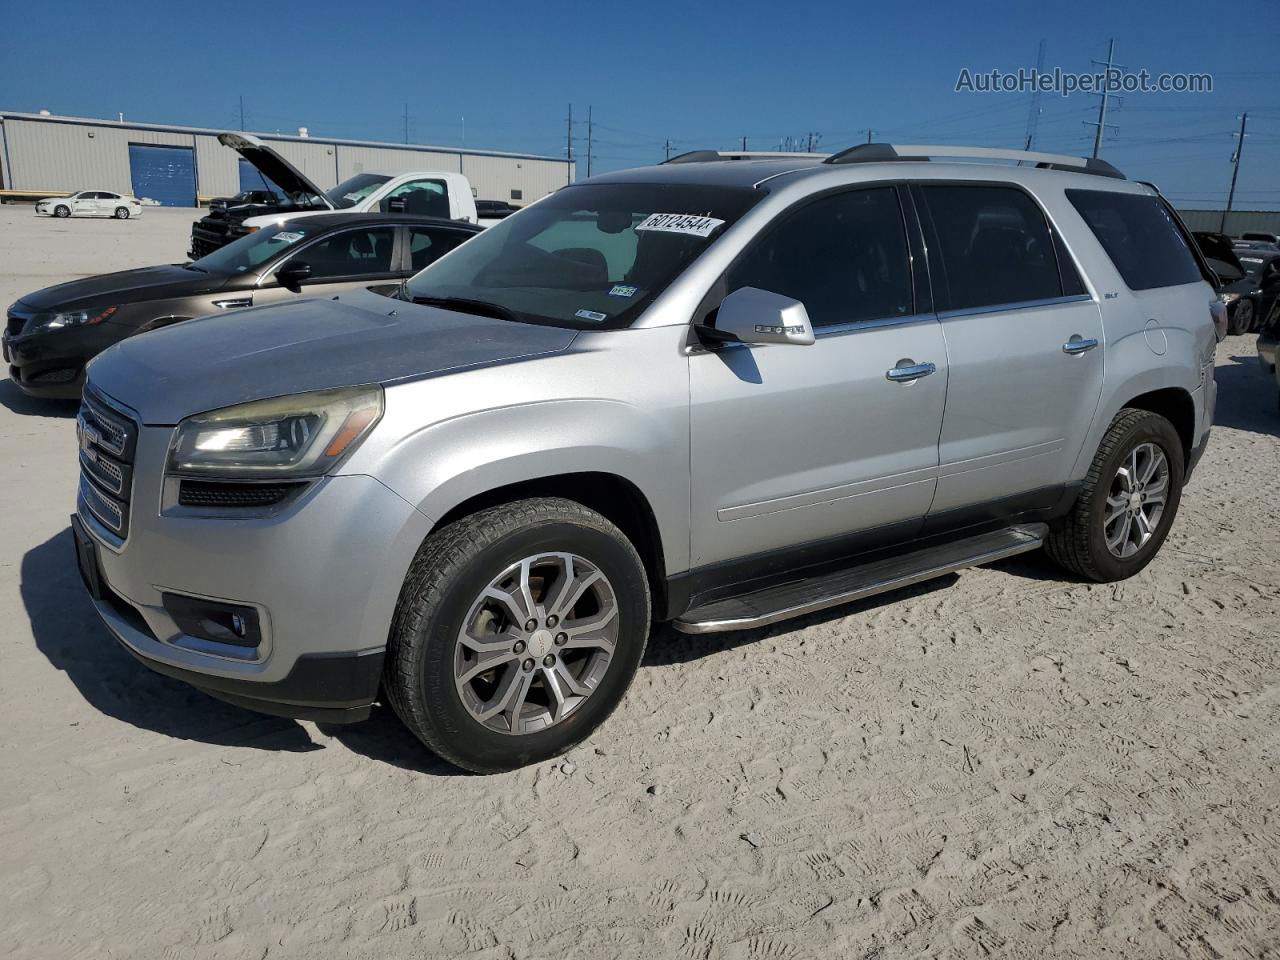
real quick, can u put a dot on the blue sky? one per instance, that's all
(702, 74)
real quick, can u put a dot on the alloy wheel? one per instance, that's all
(1136, 500)
(536, 643)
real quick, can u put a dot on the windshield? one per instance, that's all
(251, 252)
(350, 192)
(588, 257)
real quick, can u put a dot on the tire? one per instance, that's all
(1079, 542)
(1241, 320)
(424, 677)
(122, 213)
(61, 212)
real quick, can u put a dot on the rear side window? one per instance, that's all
(843, 256)
(1139, 236)
(994, 244)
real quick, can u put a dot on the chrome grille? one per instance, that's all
(107, 438)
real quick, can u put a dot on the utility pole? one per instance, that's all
(568, 143)
(668, 148)
(406, 123)
(1235, 171)
(1033, 118)
(744, 144)
(870, 133)
(1101, 122)
(242, 112)
(809, 149)
(588, 140)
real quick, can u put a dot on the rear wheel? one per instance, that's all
(122, 213)
(61, 211)
(1127, 503)
(1242, 318)
(517, 633)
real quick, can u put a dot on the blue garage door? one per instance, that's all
(251, 178)
(167, 174)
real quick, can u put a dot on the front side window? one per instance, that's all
(590, 256)
(351, 253)
(843, 256)
(1140, 237)
(430, 198)
(354, 189)
(994, 246)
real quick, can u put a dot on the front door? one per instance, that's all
(1025, 345)
(816, 445)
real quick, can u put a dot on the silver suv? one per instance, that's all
(718, 392)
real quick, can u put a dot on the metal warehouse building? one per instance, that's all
(42, 155)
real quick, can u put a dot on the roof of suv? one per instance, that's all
(880, 162)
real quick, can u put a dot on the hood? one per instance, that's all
(127, 286)
(305, 345)
(274, 167)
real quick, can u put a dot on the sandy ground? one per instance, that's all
(1001, 763)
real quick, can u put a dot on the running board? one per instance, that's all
(772, 604)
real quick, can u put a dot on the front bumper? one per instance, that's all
(51, 365)
(323, 571)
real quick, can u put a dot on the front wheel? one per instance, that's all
(518, 630)
(1127, 502)
(61, 212)
(1242, 318)
(122, 213)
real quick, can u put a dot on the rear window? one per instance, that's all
(1139, 236)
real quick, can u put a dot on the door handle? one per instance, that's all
(908, 370)
(1077, 344)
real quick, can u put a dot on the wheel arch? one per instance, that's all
(1177, 406)
(614, 497)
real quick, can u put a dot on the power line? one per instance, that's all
(1235, 170)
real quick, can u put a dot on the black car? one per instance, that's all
(1249, 279)
(51, 334)
(261, 198)
(494, 209)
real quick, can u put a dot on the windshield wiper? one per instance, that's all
(464, 305)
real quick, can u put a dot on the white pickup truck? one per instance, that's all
(434, 193)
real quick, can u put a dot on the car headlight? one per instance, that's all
(1228, 298)
(304, 435)
(61, 320)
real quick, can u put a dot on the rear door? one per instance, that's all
(1024, 343)
(815, 445)
(345, 259)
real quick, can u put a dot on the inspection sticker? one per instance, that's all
(592, 316)
(622, 290)
(679, 223)
(288, 236)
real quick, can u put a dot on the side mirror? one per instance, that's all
(292, 275)
(751, 315)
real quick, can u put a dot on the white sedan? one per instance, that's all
(90, 203)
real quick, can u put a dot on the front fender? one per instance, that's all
(443, 464)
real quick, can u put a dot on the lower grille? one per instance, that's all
(107, 439)
(212, 493)
(14, 324)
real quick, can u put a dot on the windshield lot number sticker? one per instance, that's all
(622, 290)
(679, 223)
(592, 316)
(288, 237)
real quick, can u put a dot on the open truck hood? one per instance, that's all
(274, 167)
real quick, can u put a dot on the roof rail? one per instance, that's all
(887, 152)
(701, 156)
